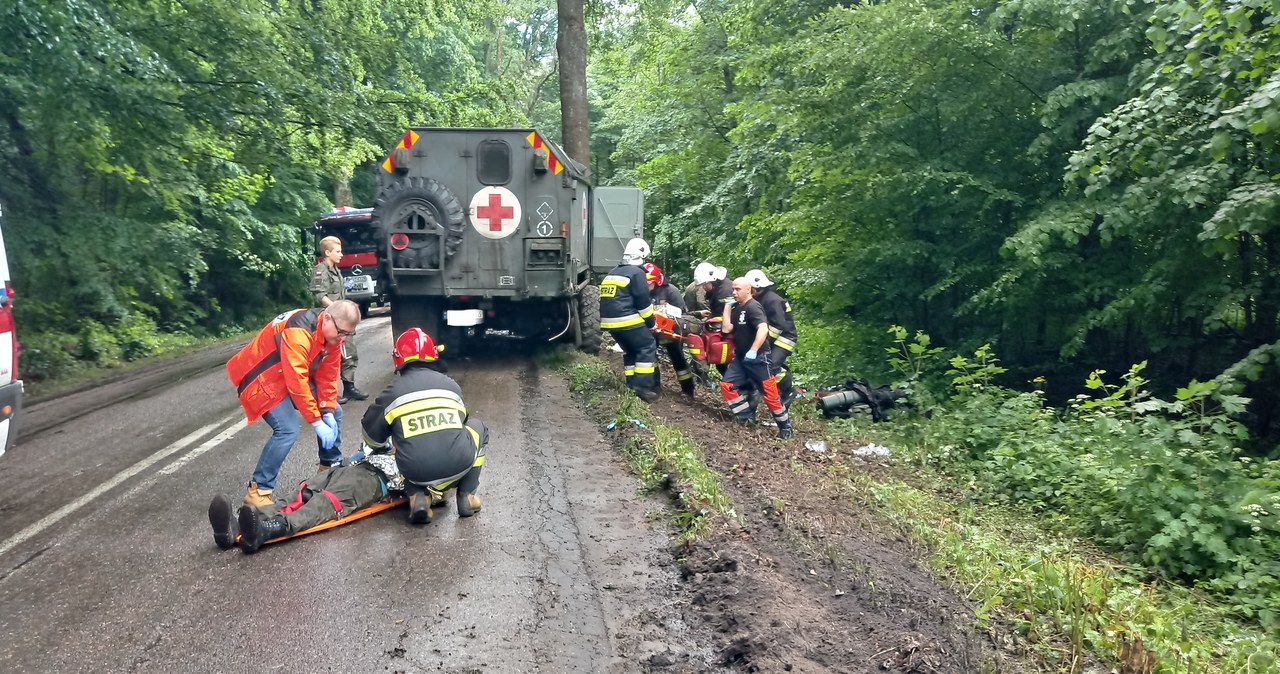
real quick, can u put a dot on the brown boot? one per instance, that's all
(419, 509)
(258, 498)
(468, 504)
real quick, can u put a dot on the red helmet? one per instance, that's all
(414, 345)
(654, 274)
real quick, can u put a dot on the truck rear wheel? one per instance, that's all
(589, 319)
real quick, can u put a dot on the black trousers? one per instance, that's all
(679, 361)
(639, 357)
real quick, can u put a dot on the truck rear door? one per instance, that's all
(617, 216)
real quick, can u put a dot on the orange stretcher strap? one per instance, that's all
(357, 515)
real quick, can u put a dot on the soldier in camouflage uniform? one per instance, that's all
(326, 285)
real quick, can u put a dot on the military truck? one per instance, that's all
(497, 230)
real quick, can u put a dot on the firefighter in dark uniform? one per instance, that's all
(750, 329)
(327, 287)
(421, 415)
(782, 330)
(626, 311)
(719, 292)
(663, 293)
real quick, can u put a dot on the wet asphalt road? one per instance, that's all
(107, 563)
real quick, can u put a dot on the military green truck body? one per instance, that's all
(483, 230)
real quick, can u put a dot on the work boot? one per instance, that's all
(745, 421)
(258, 498)
(647, 394)
(256, 529)
(468, 504)
(419, 509)
(350, 391)
(785, 432)
(222, 517)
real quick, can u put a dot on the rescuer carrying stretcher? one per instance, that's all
(626, 311)
(665, 297)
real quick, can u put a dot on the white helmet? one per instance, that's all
(635, 252)
(757, 279)
(706, 272)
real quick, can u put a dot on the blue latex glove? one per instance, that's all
(327, 437)
(751, 355)
(329, 421)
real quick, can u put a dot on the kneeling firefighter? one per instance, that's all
(626, 311)
(437, 445)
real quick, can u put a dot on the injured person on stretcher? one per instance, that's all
(342, 494)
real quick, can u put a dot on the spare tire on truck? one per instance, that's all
(429, 217)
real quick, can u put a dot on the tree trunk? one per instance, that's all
(342, 192)
(571, 46)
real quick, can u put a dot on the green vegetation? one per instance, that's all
(659, 453)
(160, 162)
(1083, 184)
(1162, 484)
(1064, 598)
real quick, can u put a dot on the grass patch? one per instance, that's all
(83, 373)
(1064, 598)
(660, 454)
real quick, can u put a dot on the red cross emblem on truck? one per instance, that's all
(495, 212)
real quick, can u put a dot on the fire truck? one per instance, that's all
(497, 230)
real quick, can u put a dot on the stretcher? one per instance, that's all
(357, 515)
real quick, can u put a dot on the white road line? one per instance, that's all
(136, 468)
(206, 446)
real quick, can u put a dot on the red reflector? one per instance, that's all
(399, 241)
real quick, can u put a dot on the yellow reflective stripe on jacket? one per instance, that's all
(616, 280)
(646, 312)
(424, 405)
(784, 343)
(427, 412)
(774, 333)
(618, 322)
